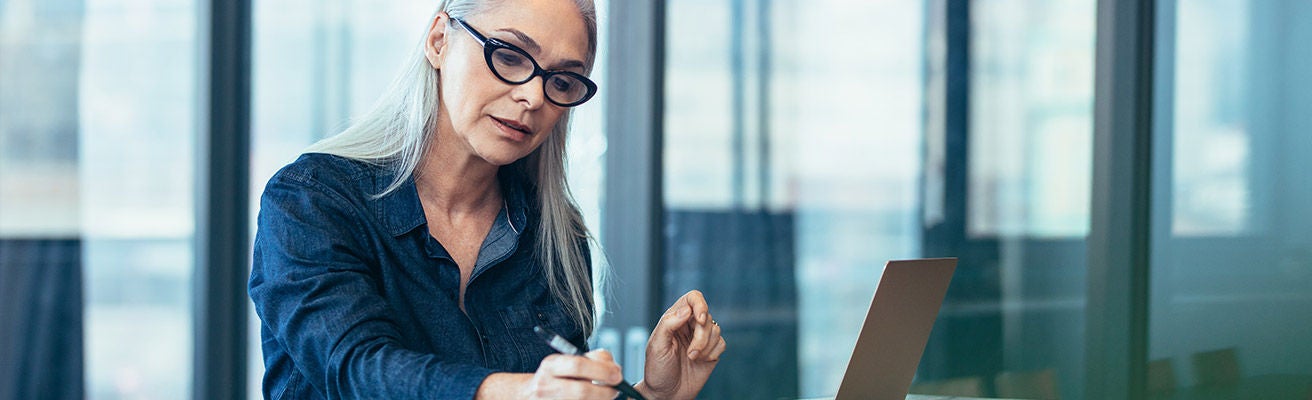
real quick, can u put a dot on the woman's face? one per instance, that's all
(491, 119)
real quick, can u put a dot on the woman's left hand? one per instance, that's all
(682, 350)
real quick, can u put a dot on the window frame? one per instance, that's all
(223, 173)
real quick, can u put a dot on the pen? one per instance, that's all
(565, 347)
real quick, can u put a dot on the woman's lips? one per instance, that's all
(514, 130)
(516, 125)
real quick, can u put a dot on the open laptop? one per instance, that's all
(896, 328)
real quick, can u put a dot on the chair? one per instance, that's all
(1217, 367)
(968, 386)
(1041, 384)
(1161, 378)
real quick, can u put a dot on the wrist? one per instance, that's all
(642, 388)
(503, 385)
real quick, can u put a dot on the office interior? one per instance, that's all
(1126, 184)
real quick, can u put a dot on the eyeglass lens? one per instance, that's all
(517, 68)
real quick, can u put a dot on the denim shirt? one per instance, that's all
(357, 300)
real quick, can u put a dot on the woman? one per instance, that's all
(411, 255)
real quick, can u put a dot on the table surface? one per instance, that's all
(922, 398)
(1267, 387)
(945, 398)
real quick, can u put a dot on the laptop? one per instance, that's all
(893, 337)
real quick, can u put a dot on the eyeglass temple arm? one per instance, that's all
(477, 36)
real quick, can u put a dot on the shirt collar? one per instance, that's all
(402, 212)
(515, 190)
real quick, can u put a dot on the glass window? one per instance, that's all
(792, 164)
(806, 144)
(1213, 147)
(1031, 101)
(98, 125)
(1230, 310)
(1019, 308)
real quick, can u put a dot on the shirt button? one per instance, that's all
(542, 318)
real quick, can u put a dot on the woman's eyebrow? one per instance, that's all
(567, 64)
(533, 47)
(529, 43)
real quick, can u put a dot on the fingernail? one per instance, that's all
(701, 318)
(693, 354)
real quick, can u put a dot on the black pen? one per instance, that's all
(565, 347)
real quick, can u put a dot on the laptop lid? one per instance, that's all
(896, 328)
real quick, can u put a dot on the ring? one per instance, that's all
(716, 323)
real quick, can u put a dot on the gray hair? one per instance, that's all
(396, 131)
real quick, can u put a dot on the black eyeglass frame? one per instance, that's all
(491, 45)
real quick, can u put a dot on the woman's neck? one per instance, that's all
(456, 182)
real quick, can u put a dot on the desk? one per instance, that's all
(1266, 387)
(922, 398)
(945, 398)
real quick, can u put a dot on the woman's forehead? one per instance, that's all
(546, 28)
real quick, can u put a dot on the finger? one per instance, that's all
(573, 389)
(593, 391)
(675, 318)
(714, 354)
(700, 324)
(599, 392)
(697, 302)
(581, 368)
(602, 355)
(712, 339)
(701, 333)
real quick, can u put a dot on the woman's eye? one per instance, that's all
(509, 58)
(561, 84)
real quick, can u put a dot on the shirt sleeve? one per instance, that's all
(313, 290)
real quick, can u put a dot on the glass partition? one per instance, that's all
(792, 164)
(98, 105)
(1230, 309)
(806, 143)
(1014, 323)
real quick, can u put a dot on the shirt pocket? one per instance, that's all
(529, 346)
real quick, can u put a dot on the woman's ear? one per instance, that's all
(435, 42)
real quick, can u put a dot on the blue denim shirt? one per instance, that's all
(357, 300)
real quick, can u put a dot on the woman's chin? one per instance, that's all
(501, 159)
(500, 153)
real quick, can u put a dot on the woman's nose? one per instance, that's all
(530, 93)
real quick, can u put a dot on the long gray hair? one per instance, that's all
(397, 131)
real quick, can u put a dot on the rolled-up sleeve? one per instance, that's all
(315, 292)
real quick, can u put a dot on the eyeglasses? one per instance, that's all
(514, 66)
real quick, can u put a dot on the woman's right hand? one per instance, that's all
(590, 376)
